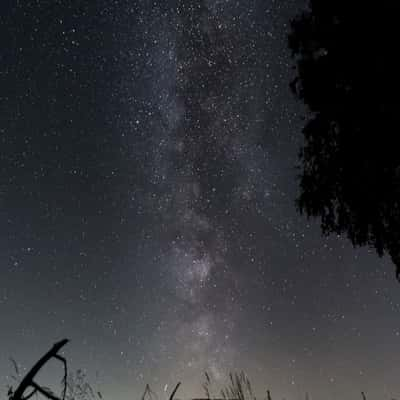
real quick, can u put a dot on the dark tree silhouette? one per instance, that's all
(348, 73)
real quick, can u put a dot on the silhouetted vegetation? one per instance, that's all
(75, 386)
(28, 381)
(348, 76)
(79, 388)
(238, 388)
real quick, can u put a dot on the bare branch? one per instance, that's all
(64, 380)
(29, 395)
(363, 396)
(44, 392)
(14, 363)
(174, 391)
(28, 378)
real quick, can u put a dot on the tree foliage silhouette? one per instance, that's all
(348, 76)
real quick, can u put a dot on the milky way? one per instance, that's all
(147, 199)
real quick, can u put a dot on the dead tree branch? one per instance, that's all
(174, 391)
(28, 381)
(363, 396)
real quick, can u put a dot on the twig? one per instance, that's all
(363, 396)
(44, 392)
(174, 391)
(27, 381)
(64, 380)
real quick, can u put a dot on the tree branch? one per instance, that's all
(29, 395)
(44, 392)
(174, 391)
(28, 378)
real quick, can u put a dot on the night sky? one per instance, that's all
(148, 154)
